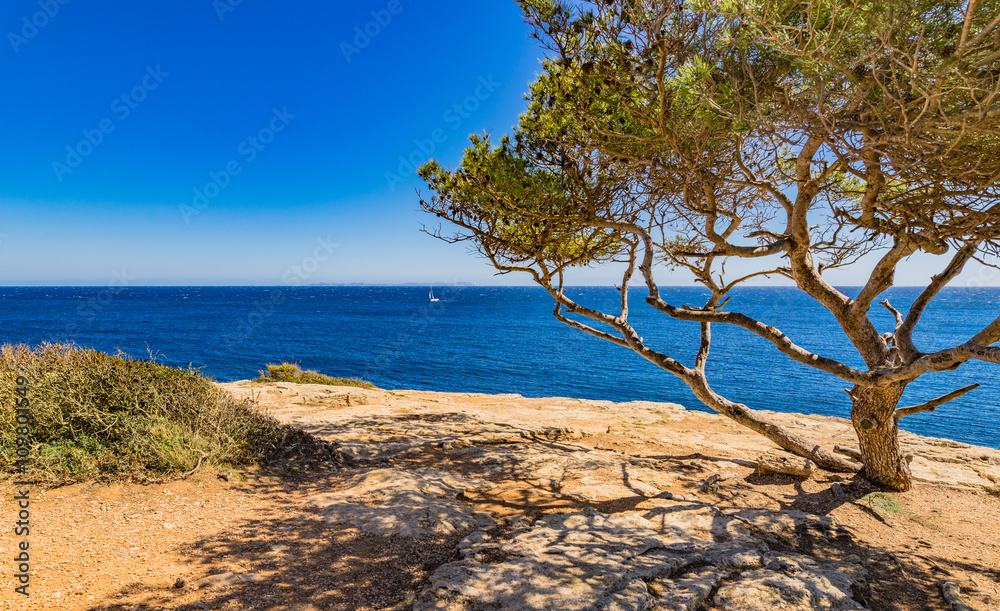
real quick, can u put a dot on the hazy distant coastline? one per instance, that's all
(398, 284)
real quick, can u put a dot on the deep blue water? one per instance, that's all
(505, 339)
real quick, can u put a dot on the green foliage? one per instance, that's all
(673, 116)
(521, 212)
(97, 416)
(290, 372)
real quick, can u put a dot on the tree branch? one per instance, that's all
(769, 428)
(942, 360)
(881, 278)
(859, 330)
(895, 313)
(771, 334)
(930, 406)
(904, 334)
(989, 335)
(587, 328)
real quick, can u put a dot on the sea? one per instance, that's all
(506, 340)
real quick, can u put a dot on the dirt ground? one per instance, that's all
(128, 547)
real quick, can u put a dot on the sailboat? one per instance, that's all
(432, 297)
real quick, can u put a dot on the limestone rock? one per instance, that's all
(687, 593)
(374, 439)
(573, 562)
(328, 397)
(416, 503)
(667, 559)
(778, 461)
(789, 583)
(788, 525)
(970, 475)
(691, 523)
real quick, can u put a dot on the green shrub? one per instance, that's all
(290, 372)
(97, 416)
(881, 502)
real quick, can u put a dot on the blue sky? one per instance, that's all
(164, 96)
(208, 142)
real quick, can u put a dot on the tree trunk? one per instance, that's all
(873, 416)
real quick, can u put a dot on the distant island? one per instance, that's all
(384, 284)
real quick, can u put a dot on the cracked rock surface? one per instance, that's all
(589, 561)
(402, 503)
(552, 518)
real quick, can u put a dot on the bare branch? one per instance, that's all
(895, 313)
(881, 278)
(942, 360)
(703, 349)
(989, 335)
(853, 453)
(770, 429)
(772, 334)
(904, 334)
(930, 406)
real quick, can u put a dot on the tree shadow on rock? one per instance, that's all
(294, 560)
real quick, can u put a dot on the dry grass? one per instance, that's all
(104, 417)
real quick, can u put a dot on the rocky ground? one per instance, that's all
(466, 502)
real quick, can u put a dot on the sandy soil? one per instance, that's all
(126, 547)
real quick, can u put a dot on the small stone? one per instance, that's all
(181, 582)
(221, 580)
(675, 497)
(838, 491)
(710, 482)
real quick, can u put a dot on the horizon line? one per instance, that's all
(415, 285)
